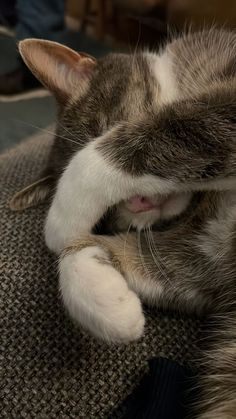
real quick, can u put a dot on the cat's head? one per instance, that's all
(95, 96)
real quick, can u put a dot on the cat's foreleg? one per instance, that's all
(95, 291)
(87, 188)
(103, 277)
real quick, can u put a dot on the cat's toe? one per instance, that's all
(97, 296)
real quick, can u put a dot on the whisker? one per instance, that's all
(46, 131)
(136, 47)
(155, 256)
(141, 253)
(70, 133)
(125, 241)
(55, 263)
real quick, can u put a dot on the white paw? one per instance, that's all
(97, 296)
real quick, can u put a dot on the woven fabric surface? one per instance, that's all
(49, 367)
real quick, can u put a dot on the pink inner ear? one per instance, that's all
(58, 67)
(84, 66)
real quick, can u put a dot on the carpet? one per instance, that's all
(49, 367)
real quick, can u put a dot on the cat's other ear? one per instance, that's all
(57, 67)
(33, 194)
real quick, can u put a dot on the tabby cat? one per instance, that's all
(145, 151)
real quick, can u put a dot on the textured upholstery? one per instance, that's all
(50, 369)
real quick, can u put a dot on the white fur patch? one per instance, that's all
(162, 67)
(218, 235)
(97, 296)
(217, 240)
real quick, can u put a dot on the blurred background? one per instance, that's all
(93, 26)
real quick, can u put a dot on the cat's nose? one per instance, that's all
(141, 204)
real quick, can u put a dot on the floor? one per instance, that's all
(20, 119)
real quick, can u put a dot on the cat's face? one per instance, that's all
(140, 94)
(124, 89)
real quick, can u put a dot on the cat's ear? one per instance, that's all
(33, 194)
(57, 67)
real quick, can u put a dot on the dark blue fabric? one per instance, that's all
(39, 18)
(166, 392)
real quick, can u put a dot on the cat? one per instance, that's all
(145, 151)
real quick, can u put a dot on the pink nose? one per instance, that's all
(140, 204)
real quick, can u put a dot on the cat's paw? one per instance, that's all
(97, 296)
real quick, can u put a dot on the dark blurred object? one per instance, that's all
(180, 12)
(202, 13)
(146, 22)
(40, 19)
(97, 16)
(8, 13)
(166, 392)
(18, 81)
(147, 29)
(140, 6)
(124, 25)
(143, 31)
(35, 19)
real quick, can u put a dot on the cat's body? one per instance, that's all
(146, 148)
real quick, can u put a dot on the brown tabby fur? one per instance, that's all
(193, 141)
